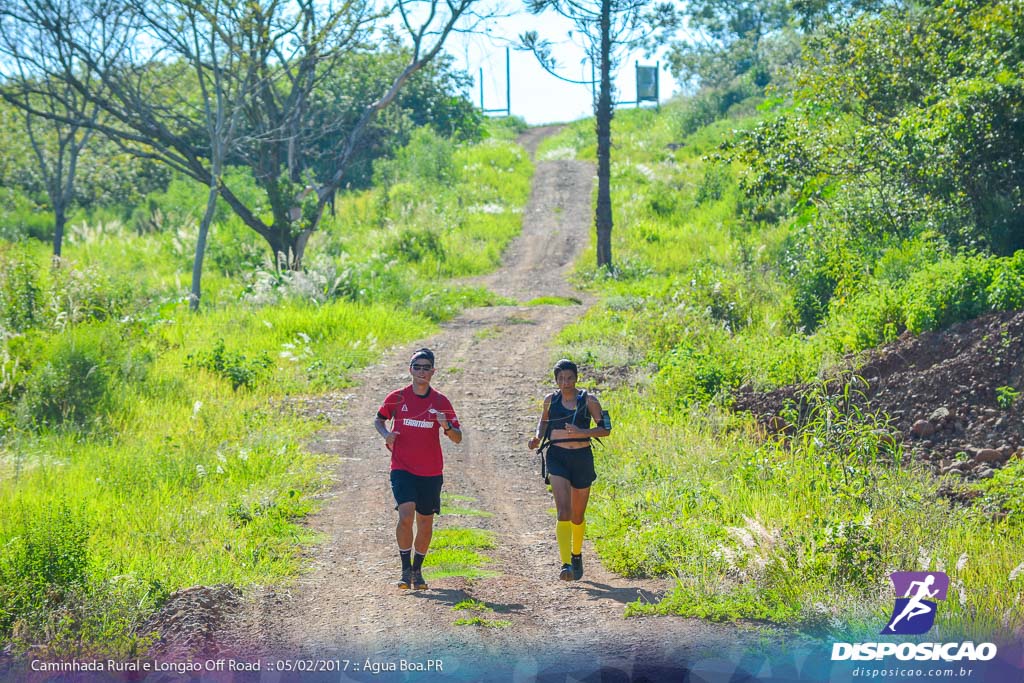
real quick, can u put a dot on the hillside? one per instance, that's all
(944, 392)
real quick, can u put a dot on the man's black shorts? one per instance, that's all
(425, 491)
(575, 464)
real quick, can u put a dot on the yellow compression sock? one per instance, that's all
(563, 533)
(577, 537)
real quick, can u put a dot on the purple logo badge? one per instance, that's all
(916, 593)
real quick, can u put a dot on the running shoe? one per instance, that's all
(406, 581)
(417, 580)
(566, 573)
(577, 567)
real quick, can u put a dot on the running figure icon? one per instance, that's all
(915, 605)
(914, 613)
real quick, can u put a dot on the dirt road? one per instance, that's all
(494, 364)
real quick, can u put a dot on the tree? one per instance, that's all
(731, 39)
(191, 32)
(432, 96)
(608, 27)
(905, 127)
(286, 51)
(59, 118)
(726, 40)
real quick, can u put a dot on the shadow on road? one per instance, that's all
(623, 594)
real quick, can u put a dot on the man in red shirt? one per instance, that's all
(417, 413)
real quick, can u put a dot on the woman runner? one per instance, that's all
(570, 461)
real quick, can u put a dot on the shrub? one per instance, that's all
(857, 550)
(947, 292)
(235, 248)
(233, 366)
(22, 217)
(1006, 291)
(20, 291)
(68, 383)
(875, 316)
(79, 294)
(717, 179)
(49, 556)
(898, 263)
(1004, 492)
(426, 159)
(414, 245)
(813, 290)
(663, 199)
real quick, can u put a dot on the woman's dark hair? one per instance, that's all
(566, 364)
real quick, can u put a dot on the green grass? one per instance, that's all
(486, 333)
(473, 604)
(454, 551)
(185, 480)
(465, 512)
(480, 621)
(554, 301)
(470, 538)
(451, 562)
(482, 608)
(448, 508)
(457, 497)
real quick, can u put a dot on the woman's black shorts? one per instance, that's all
(574, 464)
(425, 491)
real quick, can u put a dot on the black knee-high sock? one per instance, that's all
(417, 561)
(406, 558)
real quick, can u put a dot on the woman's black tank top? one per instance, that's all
(559, 415)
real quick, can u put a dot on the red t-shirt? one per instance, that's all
(417, 449)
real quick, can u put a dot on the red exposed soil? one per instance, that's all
(945, 393)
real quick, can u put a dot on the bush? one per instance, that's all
(717, 179)
(813, 290)
(859, 560)
(77, 295)
(48, 557)
(68, 384)
(49, 600)
(22, 217)
(1006, 291)
(20, 291)
(414, 245)
(1004, 492)
(235, 249)
(874, 317)
(948, 292)
(233, 366)
(505, 127)
(663, 199)
(426, 160)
